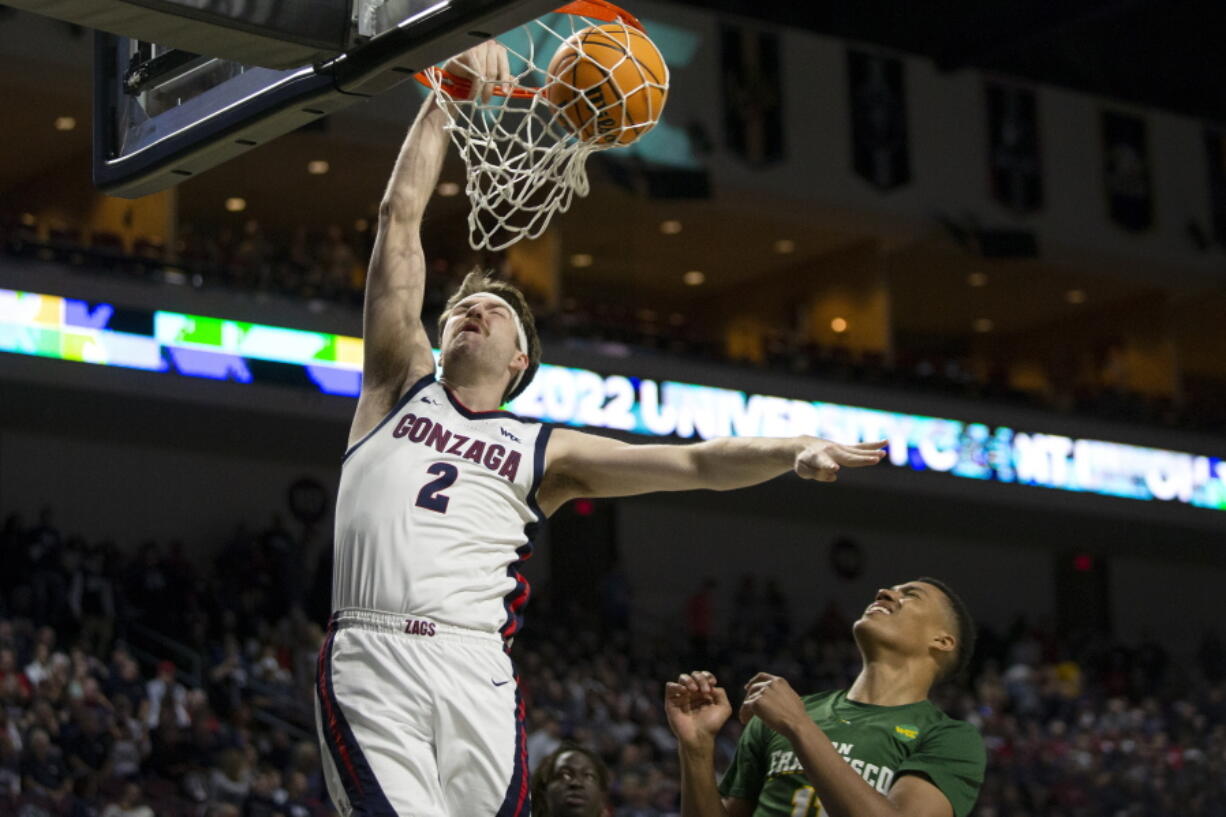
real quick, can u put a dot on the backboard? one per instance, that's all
(163, 114)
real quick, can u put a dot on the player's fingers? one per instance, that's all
(721, 697)
(688, 681)
(758, 678)
(676, 693)
(857, 459)
(504, 65)
(489, 72)
(876, 445)
(703, 679)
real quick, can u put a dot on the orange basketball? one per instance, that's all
(609, 82)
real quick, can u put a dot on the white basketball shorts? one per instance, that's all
(419, 719)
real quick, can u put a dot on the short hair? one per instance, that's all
(545, 772)
(966, 630)
(479, 280)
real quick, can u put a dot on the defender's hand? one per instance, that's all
(485, 65)
(774, 702)
(696, 708)
(821, 459)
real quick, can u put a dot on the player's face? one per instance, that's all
(574, 790)
(906, 616)
(477, 319)
(483, 327)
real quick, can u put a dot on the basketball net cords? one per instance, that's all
(524, 163)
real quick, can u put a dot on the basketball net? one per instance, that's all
(524, 160)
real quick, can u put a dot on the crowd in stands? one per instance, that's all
(330, 268)
(138, 682)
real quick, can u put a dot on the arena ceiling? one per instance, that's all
(1166, 54)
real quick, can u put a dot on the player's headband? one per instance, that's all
(519, 330)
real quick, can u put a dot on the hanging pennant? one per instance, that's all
(880, 153)
(753, 94)
(1126, 171)
(1014, 165)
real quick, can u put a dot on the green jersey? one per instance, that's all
(882, 743)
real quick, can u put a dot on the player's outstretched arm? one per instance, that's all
(397, 349)
(843, 792)
(697, 708)
(586, 465)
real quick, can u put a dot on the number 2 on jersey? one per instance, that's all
(431, 495)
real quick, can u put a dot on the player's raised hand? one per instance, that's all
(774, 702)
(696, 708)
(822, 459)
(485, 65)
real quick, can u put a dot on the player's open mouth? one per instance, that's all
(878, 607)
(575, 798)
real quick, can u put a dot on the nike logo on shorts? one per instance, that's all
(499, 683)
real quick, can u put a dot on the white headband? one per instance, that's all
(519, 331)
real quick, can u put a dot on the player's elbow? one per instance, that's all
(396, 209)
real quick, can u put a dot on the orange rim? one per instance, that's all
(461, 88)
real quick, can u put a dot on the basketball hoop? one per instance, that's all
(525, 159)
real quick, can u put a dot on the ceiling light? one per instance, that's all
(694, 278)
(977, 279)
(236, 205)
(65, 123)
(318, 167)
(581, 259)
(670, 227)
(983, 325)
(1075, 296)
(448, 189)
(784, 246)
(838, 325)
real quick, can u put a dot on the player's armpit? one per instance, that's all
(738, 807)
(914, 795)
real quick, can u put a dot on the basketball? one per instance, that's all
(609, 82)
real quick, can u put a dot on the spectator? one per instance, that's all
(544, 739)
(43, 770)
(130, 744)
(570, 782)
(87, 748)
(230, 782)
(14, 685)
(92, 600)
(130, 804)
(166, 695)
(266, 798)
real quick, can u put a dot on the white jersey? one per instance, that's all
(435, 511)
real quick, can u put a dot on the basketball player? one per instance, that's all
(570, 782)
(439, 498)
(878, 749)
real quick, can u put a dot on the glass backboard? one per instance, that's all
(164, 114)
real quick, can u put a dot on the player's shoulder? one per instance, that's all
(822, 697)
(944, 727)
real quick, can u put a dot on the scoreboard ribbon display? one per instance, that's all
(238, 351)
